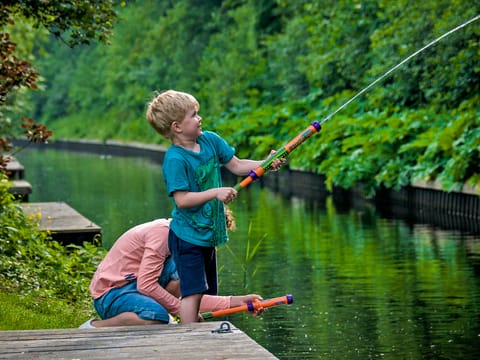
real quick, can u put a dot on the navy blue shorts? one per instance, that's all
(128, 299)
(196, 266)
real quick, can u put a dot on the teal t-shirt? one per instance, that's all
(185, 170)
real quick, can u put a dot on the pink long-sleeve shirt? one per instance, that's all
(140, 254)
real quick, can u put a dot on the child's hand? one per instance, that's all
(245, 299)
(277, 163)
(226, 194)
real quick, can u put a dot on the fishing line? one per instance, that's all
(397, 66)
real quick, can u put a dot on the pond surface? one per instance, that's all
(363, 286)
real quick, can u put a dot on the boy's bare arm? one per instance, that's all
(188, 199)
(242, 167)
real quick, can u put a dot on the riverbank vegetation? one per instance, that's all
(43, 283)
(263, 70)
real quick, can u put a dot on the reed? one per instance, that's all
(249, 269)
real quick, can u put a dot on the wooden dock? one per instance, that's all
(178, 342)
(19, 187)
(15, 170)
(65, 224)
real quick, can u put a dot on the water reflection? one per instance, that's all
(364, 286)
(115, 193)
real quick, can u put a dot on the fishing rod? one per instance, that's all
(250, 306)
(257, 173)
(316, 126)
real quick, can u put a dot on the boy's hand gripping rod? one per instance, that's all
(250, 306)
(283, 152)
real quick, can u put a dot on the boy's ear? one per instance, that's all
(175, 127)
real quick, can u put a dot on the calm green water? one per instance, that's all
(364, 287)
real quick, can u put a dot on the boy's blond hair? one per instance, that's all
(167, 107)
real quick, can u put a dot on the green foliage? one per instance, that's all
(264, 70)
(33, 264)
(232, 65)
(284, 64)
(450, 147)
(445, 73)
(338, 43)
(77, 22)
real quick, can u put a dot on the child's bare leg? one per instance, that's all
(189, 308)
(173, 287)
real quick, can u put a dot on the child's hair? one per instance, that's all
(230, 219)
(167, 107)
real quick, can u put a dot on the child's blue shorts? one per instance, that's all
(196, 265)
(128, 299)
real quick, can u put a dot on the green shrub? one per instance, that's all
(33, 264)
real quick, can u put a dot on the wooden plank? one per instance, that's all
(437, 185)
(15, 170)
(20, 188)
(179, 342)
(65, 223)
